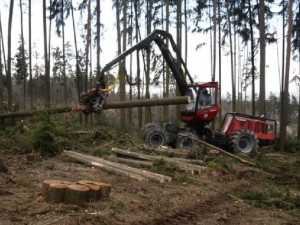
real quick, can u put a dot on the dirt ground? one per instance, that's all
(208, 198)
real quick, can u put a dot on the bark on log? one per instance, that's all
(104, 188)
(76, 194)
(224, 152)
(114, 105)
(95, 190)
(132, 161)
(106, 167)
(176, 161)
(56, 192)
(152, 176)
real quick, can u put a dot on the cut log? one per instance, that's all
(104, 188)
(56, 192)
(131, 161)
(224, 152)
(114, 105)
(152, 176)
(176, 161)
(76, 194)
(106, 167)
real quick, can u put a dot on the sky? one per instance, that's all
(198, 61)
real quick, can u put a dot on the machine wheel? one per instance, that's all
(185, 142)
(156, 136)
(244, 141)
(146, 128)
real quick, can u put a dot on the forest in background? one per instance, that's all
(69, 69)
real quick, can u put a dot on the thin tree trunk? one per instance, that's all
(23, 55)
(87, 46)
(166, 108)
(98, 9)
(284, 114)
(262, 95)
(220, 63)
(179, 46)
(8, 75)
(231, 60)
(252, 57)
(64, 55)
(140, 110)
(283, 54)
(30, 58)
(2, 43)
(47, 74)
(123, 66)
(147, 94)
(213, 78)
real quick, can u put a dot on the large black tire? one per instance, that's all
(184, 140)
(146, 128)
(243, 141)
(156, 136)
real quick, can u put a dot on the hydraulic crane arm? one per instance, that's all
(93, 100)
(159, 37)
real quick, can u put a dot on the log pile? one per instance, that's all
(184, 164)
(117, 168)
(77, 193)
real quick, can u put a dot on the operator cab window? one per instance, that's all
(191, 107)
(206, 98)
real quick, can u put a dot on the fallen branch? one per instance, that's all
(222, 151)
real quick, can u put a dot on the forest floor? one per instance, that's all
(228, 192)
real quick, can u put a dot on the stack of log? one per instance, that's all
(118, 168)
(78, 192)
(189, 165)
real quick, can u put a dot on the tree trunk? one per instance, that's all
(179, 44)
(8, 75)
(138, 70)
(47, 69)
(252, 57)
(220, 63)
(166, 108)
(23, 56)
(64, 55)
(148, 55)
(231, 60)
(122, 70)
(262, 91)
(114, 105)
(30, 58)
(285, 99)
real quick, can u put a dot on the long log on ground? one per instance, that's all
(106, 168)
(114, 105)
(151, 176)
(224, 152)
(132, 161)
(176, 161)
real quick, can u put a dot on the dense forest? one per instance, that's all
(73, 33)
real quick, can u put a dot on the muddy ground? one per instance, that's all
(213, 197)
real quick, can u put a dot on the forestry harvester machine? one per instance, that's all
(239, 132)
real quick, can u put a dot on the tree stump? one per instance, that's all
(56, 192)
(104, 187)
(76, 194)
(46, 183)
(95, 190)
